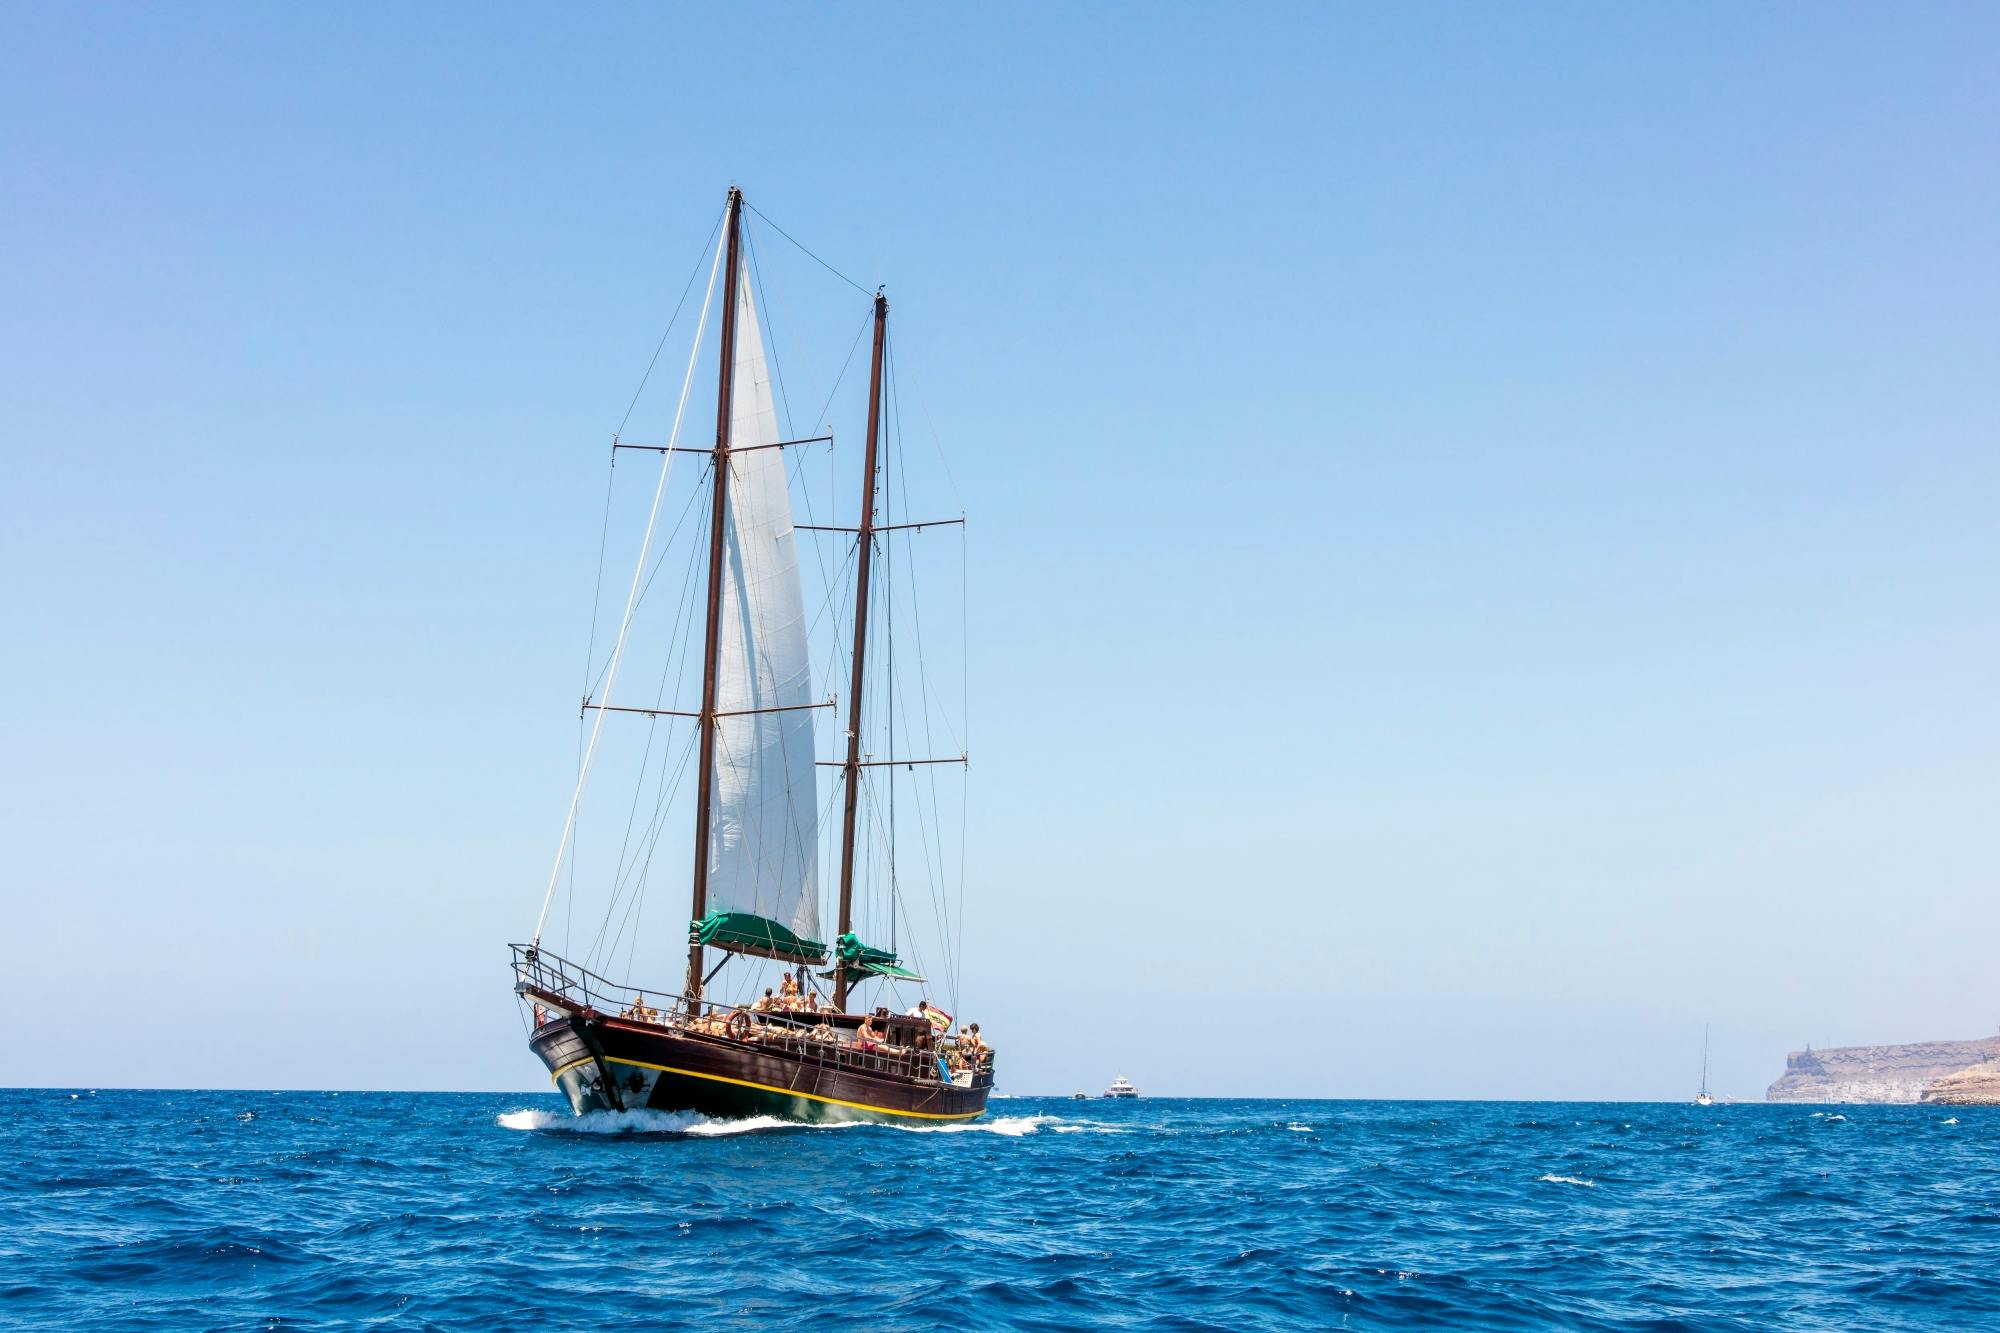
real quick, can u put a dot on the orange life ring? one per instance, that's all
(739, 1026)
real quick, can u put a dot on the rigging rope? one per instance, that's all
(679, 305)
(809, 254)
(625, 624)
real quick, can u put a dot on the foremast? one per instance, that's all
(718, 514)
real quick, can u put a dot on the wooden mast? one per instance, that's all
(718, 513)
(852, 772)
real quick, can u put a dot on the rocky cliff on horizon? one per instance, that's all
(1886, 1074)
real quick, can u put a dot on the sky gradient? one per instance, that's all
(1484, 521)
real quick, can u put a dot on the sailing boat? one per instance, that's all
(1702, 1098)
(755, 882)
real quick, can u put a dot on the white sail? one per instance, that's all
(764, 820)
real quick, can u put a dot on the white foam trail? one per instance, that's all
(1568, 1180)
(716, 1128)
(1297, 1128)
(691, 1123)
(1012, 1126)
(1952, 1120)
(1830, 1119)
(646, 1122)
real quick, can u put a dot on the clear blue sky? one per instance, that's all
(1486, 516)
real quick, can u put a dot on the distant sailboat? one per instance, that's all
(1702, 1098)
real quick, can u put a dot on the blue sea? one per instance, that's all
(245, 1210)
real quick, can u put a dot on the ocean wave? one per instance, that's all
(160, 1212)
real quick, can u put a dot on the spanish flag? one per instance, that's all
(938, 1017)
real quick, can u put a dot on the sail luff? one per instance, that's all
(763, 823)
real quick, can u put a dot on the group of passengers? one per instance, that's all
(964, 1050)
(968, 1051)
(639, 1011)
(789, 998)
(961, 1051)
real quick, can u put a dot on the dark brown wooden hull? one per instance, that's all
(612, 1065)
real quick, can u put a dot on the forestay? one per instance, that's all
(763, 823)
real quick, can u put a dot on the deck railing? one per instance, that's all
(807, 1035)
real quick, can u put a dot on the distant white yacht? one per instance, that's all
(1121, 1087)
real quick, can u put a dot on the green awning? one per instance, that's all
(744, 932)
(861, 962)
(853, 952)
(859, 972)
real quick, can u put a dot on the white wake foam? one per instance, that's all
(1568, 1180)
(646, 1122)
(701, 1126)
(1012, 1126)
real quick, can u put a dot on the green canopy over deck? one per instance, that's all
(860, 962)
(744, 932)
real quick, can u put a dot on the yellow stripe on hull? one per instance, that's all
(766, 1087)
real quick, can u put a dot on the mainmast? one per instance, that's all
(718, 512)
(852, 769)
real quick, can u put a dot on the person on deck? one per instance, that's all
(767, 1003)
(867, 1037)
(973, 1045)
(788, 992)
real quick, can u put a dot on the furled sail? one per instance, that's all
(764, 819)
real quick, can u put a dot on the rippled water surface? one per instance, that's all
(177, 1210)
